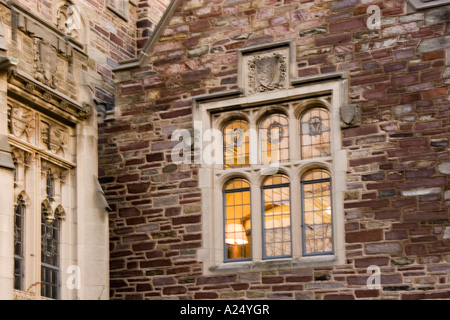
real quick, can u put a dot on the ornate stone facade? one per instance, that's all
(167, 237)
(56, 83)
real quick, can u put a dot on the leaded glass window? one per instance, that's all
(236, 144)
(276, 216)
(50, 186)
(237, 230)
(317, 212)
(50, 272)
(274, 137)
(19, 217)
(315, 133)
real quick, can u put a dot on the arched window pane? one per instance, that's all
(317, 212)
(236, 144)
(276, 217)
(274, 137)
(50, 272)
(19, 217)
(237, 218)
(315, 133)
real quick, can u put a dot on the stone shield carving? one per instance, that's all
(267, 72)
(21, 122)
(54, 138)
(45, 63)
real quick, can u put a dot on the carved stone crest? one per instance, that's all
(21, 122)
(68, 20)
(45, 63)
(54, 137)
(267, 72)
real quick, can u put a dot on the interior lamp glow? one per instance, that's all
(235, 234)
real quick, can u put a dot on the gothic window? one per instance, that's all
(315, 131)
(50, 255)
(237, 217)
(274, 137)
(16, 169)
(283, 209)
(50, 186)
(19, 217)
(317, 212)
(236, 144)
(276, 213)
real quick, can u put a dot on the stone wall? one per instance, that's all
(396, 204)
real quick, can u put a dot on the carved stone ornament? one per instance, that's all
(45, 63)
(54, 137)
(68, 20)
(267, 72)
(21, 122)
(350, 116)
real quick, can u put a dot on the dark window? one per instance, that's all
(50, 272)
(19, 217)
(50, 186)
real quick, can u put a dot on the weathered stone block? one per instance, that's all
(384, 248)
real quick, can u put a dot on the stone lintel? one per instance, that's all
(45, 99)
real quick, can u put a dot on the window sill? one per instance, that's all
(278, 264)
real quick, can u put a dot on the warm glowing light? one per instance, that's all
(235, 234)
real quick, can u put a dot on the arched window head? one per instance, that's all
(317, 212)
(274, 139)
(236, 144)
(276, 216)
(315, 133)
(237, 220)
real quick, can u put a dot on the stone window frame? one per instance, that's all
(33, 163)
(213, 177)
(123, 11)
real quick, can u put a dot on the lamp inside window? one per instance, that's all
(237, 231)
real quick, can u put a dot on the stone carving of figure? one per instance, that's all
(68, 20)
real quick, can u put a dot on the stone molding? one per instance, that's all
(63, 108)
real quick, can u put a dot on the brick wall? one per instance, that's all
(148, 15)
(396, 204)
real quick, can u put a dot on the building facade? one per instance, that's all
(56, 85)
(282, 150)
